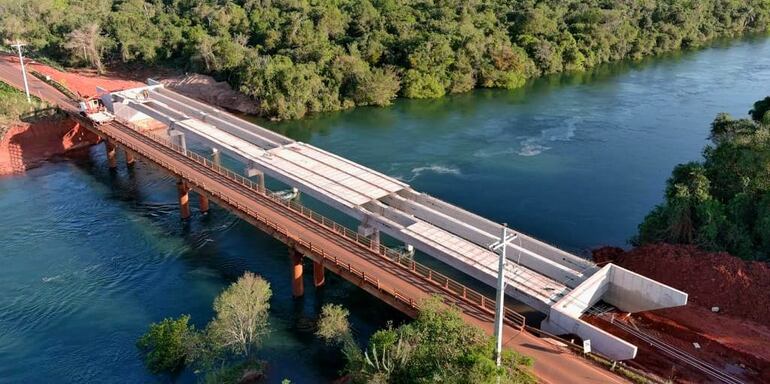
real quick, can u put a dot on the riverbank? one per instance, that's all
(726, 315)
(26, 145)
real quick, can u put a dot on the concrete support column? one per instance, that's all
(112, 158)
(203, 202)
(130, 159)
(177, 137)
(297, 287)
(252, 171)
(318, 274)
(215, 157)
(375, 238)
(184, 199)
(372, 233)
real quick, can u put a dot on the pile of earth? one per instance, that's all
(213, 92)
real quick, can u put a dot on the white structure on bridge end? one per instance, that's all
(626, 290)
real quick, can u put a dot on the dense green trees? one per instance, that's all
(723, 203)
(438, 347)
(299, 56)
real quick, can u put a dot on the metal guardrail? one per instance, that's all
(39, 113)
(511, 318)
(59, 86)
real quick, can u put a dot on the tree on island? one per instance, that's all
(224, 350)
(438, 346)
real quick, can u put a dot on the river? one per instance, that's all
(89, 258)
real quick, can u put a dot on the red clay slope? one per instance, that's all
(26, 145)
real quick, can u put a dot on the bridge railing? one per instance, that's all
(511, 317)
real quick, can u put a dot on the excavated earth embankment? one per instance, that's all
(728, 314)
(26, 145)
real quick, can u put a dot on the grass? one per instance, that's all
(13, 104)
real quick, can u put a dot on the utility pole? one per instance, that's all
(500, 246)
(23, 71)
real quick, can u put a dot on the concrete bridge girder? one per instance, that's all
(400, 214)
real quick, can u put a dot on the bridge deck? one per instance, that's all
(356, 190)
(552, 364)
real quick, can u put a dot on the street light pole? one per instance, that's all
(23, 71)
(500, 245)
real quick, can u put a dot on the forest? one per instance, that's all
(723, 202)
(295, 57)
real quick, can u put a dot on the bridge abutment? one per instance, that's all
(184, 199)
(297, 286)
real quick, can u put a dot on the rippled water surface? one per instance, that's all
(89, 258)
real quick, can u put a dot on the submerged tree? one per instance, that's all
(240, 322)
(166, 344)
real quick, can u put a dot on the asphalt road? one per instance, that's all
(10, 72)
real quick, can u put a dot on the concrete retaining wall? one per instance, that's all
(626, 290)
(602, 342)
(632, 292)
(564, 317)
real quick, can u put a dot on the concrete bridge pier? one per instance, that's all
(130, 158)
(203, 203)
(177, 136)
(111, 150)
(184, 198)
(297, 286)
(318, 274)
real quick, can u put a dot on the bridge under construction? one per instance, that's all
(559, 284)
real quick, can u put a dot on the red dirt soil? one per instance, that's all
(26, 145)
(736, 338)
(81, 82)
